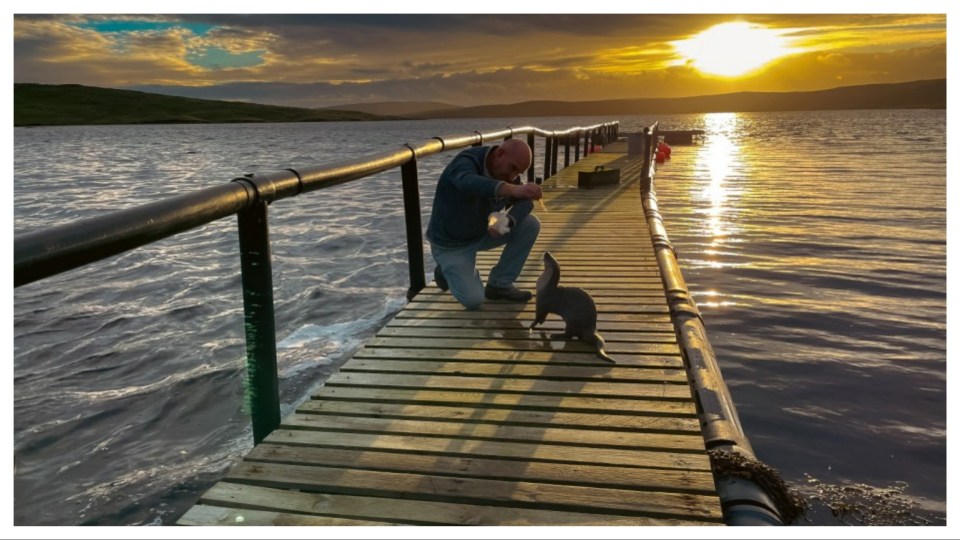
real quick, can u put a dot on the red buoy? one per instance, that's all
(596, 148)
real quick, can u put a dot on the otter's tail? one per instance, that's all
(601, 345)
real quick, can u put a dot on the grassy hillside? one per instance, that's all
(46, 105)
(73, 104)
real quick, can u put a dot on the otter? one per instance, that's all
(572, 304)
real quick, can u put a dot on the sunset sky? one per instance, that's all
(323, 60)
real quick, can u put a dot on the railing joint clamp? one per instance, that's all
(299, 181)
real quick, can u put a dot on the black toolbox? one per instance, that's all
(598, 177)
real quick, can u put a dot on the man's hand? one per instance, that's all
(523, 191)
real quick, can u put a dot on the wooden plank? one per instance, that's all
(612, 283)
(513, 401)
(645, 295)
(585, 272)
(580, 252)
(604, 476)
(442, 488)
(584, 269)
(462, 413)
(228, 494)
(523, 345)
(653, 283)
(599, 259)
(553, 325)
(523, 451)
(538, 335)
(506, 384)
(654, 289)
(674, 360)
(586, 276)
(512, 315)
(555, 235)
(518, 371)
(528, 309)
(498, 432)
(203, 514)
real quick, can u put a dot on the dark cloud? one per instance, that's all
(494, 24)
(371, 33)
(801, 72)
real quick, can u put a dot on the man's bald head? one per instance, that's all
(510, 159)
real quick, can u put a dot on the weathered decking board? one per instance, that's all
(455, 417)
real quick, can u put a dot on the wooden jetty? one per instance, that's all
(450, 417)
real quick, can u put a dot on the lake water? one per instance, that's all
(813, 242)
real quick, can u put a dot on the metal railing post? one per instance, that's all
(553, 155)
(645, 169)
(263, 389)
(576, 148)
(411, 211)
(566, 151)
(531, 143)
(547, 141)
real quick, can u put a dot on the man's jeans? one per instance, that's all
(459, 264)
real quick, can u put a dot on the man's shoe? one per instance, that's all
(439, 279)
(510, 294)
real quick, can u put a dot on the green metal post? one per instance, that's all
(263, 391)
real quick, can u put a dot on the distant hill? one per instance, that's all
(73, 104)
(396, 108)
(927, 94)
(47, 105)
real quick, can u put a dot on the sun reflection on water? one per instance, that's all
(719, 158)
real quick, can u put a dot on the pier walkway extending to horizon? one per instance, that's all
(450, 417)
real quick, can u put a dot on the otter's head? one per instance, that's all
(549, 261)
(551, 273)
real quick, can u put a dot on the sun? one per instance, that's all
(734, 48)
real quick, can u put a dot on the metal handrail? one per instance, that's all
(743, 501)
(48, 252)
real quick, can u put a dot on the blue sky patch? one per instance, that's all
(120, 26)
